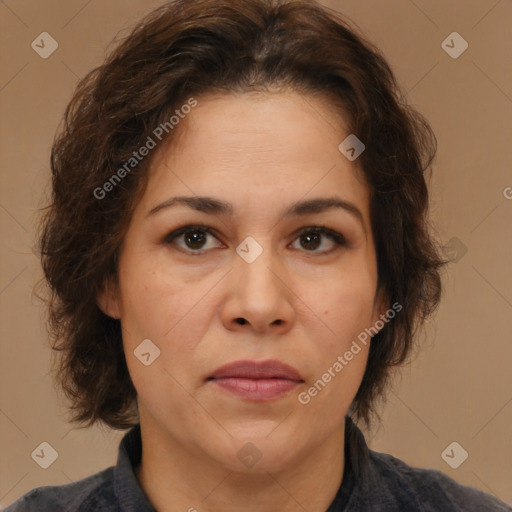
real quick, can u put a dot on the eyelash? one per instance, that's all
(336, 237)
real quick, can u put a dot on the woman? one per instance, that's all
(238, 253)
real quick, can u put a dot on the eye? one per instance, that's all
(194, 239)
(311, 239)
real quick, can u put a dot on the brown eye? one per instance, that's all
(191, 239)
(194, 239)
(312, 238)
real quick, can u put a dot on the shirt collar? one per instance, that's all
(131, 497)
(129, 493)
(356, 466)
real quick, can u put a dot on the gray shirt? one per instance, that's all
(372, 482)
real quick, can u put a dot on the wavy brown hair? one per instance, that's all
(186, 49)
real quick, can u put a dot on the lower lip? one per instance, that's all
(256, 389)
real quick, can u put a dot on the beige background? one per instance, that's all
(458, 389)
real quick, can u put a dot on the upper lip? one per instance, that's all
(246, 369)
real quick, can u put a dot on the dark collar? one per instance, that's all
(132, 498)
(129, 493)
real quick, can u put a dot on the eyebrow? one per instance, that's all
(218, 207)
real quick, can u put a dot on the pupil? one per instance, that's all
(196, 240)
(311, 239)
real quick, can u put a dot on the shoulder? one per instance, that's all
(95, 492)
(429, 490)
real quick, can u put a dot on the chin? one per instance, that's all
(260, 453)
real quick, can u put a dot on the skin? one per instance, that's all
(302, 304)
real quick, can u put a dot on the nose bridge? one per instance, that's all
(256, 258)
(260, 295)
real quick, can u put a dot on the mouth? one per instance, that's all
(256, 380)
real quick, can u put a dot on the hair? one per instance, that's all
(186, 49)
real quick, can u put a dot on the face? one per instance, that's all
(248, 277)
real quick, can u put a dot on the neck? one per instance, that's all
(176, 480)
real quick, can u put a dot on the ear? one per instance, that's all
(108, 299)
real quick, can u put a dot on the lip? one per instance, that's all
(257, 380)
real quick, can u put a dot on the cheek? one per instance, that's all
(344, 302)
(168, 309)
(342, 311)
(338, 357)
(154, 298)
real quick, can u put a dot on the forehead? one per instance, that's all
(274, 147)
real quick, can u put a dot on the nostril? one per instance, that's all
(241, 321)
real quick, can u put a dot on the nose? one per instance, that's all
(260, 296)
